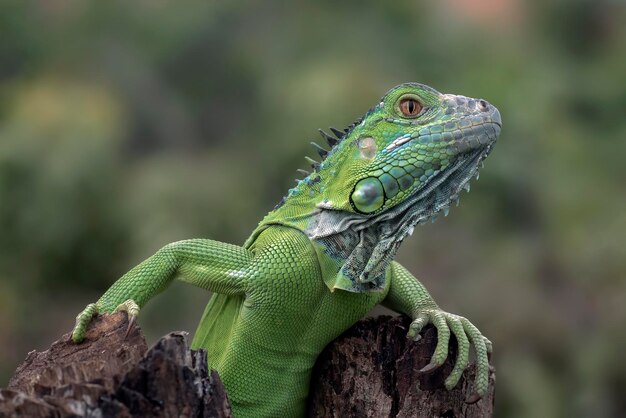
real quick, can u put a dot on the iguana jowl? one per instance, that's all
(323, 257)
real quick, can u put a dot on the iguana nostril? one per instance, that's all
(483, 105)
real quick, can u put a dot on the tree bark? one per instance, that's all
(370, 371)
(109, 375)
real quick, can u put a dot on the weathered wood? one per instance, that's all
(104, 354)
(112, 376)
(372, 370)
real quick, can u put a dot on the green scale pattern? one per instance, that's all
(280, 299)
(390, 182)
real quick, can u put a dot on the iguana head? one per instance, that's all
(404, 161)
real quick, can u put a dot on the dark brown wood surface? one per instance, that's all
(109, 375)
(372, 370)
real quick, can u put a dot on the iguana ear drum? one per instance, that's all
(368, 195)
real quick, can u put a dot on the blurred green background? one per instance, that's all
(128, 125)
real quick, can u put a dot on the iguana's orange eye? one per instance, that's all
(410, 107)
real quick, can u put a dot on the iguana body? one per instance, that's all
(323, 257)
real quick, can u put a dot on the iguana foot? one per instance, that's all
(84, 318)
(132, 309)
(465, 333)
(82, 321)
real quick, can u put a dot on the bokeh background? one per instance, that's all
(128, 125)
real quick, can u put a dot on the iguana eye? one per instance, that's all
(410, 107)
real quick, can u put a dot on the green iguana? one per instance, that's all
(323, 257)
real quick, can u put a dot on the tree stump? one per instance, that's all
(370, 371)
(109, 375)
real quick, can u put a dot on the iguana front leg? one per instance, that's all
(408, 296)
(211, 265)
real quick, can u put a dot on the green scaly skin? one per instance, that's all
(323, 257)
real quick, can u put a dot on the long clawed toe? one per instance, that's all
(132, 310)
(131, 322)
(473, 398)
(466, 335)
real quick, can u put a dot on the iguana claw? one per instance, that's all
(473, 398)
(132, 309)
(83, 318)
(429, 367)
(465, 333)
(131, 321)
